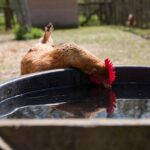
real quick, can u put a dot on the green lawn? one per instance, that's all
(122, 45)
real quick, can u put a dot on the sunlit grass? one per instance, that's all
(122, 46)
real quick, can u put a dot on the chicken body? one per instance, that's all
(131, 22)
(45, 56)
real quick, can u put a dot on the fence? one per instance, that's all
(100, 8)
(139, 8)
(117, 11)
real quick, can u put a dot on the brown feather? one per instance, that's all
(45, 56)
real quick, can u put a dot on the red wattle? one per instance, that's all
(111, 71)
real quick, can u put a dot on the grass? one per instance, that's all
(2, 23)
(124, 48)
(145, 33)
(122, 45)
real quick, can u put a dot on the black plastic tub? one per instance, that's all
(62, 78)
(72, 90)
(71, 85)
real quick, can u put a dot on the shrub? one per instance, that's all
(23, 33)
(37, 33)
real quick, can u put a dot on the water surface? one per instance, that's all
(122, 101)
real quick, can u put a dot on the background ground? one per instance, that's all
(122, 45)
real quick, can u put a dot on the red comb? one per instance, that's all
(111, 72)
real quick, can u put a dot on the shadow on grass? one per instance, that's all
(144, 33)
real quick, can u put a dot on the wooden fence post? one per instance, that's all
(23, 13)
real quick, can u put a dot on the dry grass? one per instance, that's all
(124, 48)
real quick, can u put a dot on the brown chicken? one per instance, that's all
(45, 56)
(131, 22)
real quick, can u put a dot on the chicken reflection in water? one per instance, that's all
(105, 101)
(84, 104)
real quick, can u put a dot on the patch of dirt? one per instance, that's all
(11, 53)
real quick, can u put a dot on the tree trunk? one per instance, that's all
(22, 11)
(107, 11)
(8, 12)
